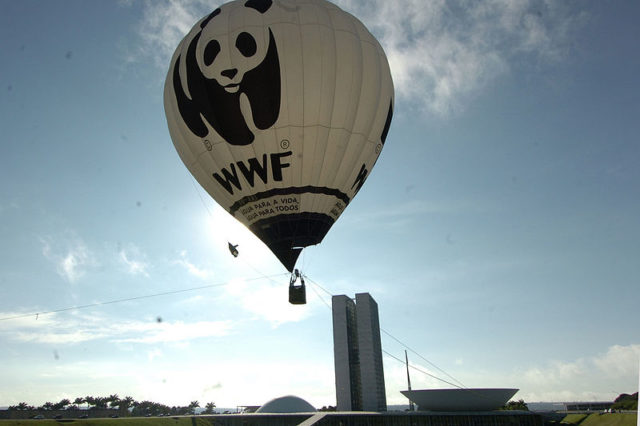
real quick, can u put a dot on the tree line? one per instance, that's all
(122, 405)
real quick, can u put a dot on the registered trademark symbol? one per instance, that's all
(284, 144)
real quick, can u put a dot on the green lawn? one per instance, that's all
(574, 419)
(615, 419)
(596, 419)
(123, 421)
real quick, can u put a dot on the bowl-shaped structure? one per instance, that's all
(475, 399)
(287, 404)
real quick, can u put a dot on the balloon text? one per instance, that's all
(251, 169)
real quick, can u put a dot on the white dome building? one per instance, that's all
(286, 404)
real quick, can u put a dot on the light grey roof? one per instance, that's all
(286, 404)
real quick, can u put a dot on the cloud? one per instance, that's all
(192, 269)
(153, 354)
(163, 26)
(598, 377)
(601, 376)
(178, 331)
(56, 329)
(10, 206)
(133, 261)
(69, 254)
(441, 53)
(619, 361)
(267, 300)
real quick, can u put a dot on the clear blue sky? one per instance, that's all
(499, 231)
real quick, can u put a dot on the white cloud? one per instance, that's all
(153, 354)
(619, 361)
(178, 331)
(58, 337)
(598, 377)
(268, 300)
(441, 52)
(192, 269)
(163, 25)
(17, 321)
(56, 329)
(133, 261)
(70, 255)
(601, 376)
(396, 379)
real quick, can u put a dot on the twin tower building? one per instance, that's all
(358, 354)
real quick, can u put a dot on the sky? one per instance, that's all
(498, 232)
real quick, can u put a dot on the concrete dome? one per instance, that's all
(286, 404)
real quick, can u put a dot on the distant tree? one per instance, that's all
(114, 400)
(21, 406)
(327, 408)
(90, 401)
(48, 406)
(100, 401)
(79, 401)
(626, 402)
(209, 408)
(191, 409)
(516, 405)
(60, 405)
(143, 408)
(126, 403)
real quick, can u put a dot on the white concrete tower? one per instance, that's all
(358, 354)
(370, 349)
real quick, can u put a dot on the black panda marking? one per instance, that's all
(211, 51)
(210, 17)
(246, 44)
(260, 5)
(220, 105)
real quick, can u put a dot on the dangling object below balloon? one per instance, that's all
(280, 110)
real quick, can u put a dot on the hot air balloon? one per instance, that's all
(280, 110)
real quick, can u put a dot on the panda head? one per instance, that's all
(226, 52)
(230, 56)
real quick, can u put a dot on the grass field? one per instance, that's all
(615, 419)
(574, 419)
(596, 419)
(123, 421)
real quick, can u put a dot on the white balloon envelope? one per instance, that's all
(280, 110)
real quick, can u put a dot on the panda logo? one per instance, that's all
(233, 79)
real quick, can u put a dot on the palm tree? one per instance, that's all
(209, 408)
(192, 407)
(114, 400)
(101, 401)
(125, 403)
(89, 400)
(79, 401)
(47, 406)
(21, 406)
(60, 405)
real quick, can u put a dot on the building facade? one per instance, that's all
(358, 354)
